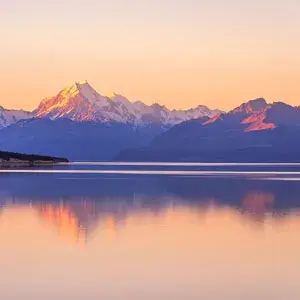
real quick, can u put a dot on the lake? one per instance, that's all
(150, 231)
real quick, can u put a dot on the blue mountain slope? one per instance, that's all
(75, 140)
(254, 131)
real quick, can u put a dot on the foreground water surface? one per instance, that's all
(150, 231)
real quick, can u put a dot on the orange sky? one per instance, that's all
(178, 53)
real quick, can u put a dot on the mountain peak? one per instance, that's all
(76, 102)
(81, 102)
(257, 104)
(84, 85)
(82, 82)
(251, 106)
(79, 87)
(89, 93)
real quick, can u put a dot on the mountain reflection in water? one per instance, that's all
(121, 237)
(75, 208)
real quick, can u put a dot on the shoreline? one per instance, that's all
(20, 160)
(25, 163)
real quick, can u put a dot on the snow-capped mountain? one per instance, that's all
(81, 102)
(254, 131)
(8, 117)
(81, 124)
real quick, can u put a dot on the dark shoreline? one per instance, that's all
(12, 159)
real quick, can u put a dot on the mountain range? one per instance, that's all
(255, 131)
(81, 124)
(82, 103)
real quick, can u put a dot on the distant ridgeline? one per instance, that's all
(253, 132)
(11, 159)
(83, 125)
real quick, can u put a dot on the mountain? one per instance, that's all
(81, 102)
(81, 124)
(8, 117)
(254, 131)
(75, 140)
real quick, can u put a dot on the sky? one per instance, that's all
(179, 53)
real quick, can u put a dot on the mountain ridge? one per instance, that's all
(256, 130)
(81, 124)
(10, 116)
(81, 102)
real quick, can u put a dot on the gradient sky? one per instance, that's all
(180, 53)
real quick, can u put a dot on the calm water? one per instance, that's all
(163, 231)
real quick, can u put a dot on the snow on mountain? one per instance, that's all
(8, 117)
(81, 102)
(179, 116)
(256, 131)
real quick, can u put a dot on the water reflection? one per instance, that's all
(120, 238)
(109, 203)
